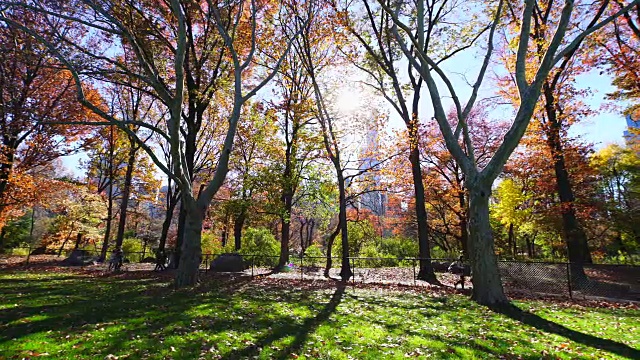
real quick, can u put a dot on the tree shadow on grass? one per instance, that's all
(545, 325)
(72, 309)
(301, 331)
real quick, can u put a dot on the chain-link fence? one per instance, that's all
(519, 277)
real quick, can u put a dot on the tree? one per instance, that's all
(34, 89)
(134, 25)
(131, 105)
(77, 213)
(448, 198)
(619, 185)
(560, 108)
(618, 53)
(337, 132)
(103, 168)
(382, 61)
(293, 112)
(512, 210)
(255, 145)
(487, 287)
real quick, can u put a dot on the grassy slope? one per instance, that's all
(78, 316)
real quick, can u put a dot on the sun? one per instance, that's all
(348, 100)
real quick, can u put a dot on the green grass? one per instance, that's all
(79, 316)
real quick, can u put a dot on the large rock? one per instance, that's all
(228, 263)
(80, 258)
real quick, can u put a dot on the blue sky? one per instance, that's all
(604, 128)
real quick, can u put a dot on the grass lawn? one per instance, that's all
(64, 315)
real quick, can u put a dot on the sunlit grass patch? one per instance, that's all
(79, 316)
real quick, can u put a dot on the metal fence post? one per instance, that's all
(569, 280)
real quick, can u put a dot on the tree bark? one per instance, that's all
(189, 154)
(302, 240)
(3, 232)
(287, 200)
(464, 231)
(345, 271)
(512, 240)
(166, 225)
(487, 286)
(191, 252)
(238, 224)
(223, 236)
(329, 244)
(126, 190)
(573, 233)
(107, 230)
(426, 270)
(78, 241)
(311, 224)
(177, 253)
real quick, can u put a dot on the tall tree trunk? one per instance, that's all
(6, 166)
(109, 188)
(426, 270)
(177, 252)
(287, 203)
(191, 252)
(107, 230)
(345, 271)
(512, 240)
(3, 234)
(78, 241)
(573, 233)
(166, 224)
(287, 199)
(329, 244)
(310, 227)
(126, 190)
(487, 287)
(238, 224)
(189, 154)
(223, 236)
(464, 231)
(302, 241)
(31, 241)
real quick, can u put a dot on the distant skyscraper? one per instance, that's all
(632, 134)
(373, 199)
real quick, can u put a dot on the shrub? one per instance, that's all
(398, 247)
(132, 249)
(379, 259)
(211, 244)
(19, 251)
(261, 243)
(315, 255)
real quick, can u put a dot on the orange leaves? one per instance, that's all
(25, 190)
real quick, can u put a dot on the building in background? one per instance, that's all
(373, 197)
(632, 134)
